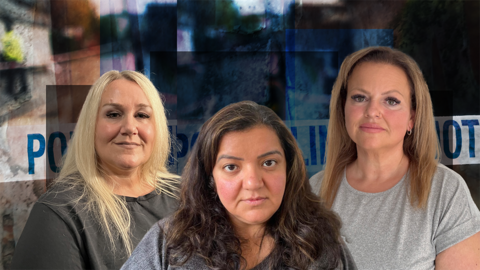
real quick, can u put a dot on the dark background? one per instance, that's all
(204, 55)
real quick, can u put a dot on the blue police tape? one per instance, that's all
(312, 140)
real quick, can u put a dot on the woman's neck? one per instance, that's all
(256, 250)
(377, 171)
(127, 183)
(131, 189)
(256, 245)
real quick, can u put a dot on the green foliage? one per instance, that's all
(12, 49)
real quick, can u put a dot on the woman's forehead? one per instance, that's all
(122, 91)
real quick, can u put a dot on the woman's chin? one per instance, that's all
(124, 165)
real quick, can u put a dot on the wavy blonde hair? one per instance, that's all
(421, 148)
(81, 167)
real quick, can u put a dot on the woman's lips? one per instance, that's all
(371, 128)
(255, 201)
(127, 145)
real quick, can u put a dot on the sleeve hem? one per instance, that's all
(457, 235)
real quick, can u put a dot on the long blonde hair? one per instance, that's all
(421, 148)
(81, 166)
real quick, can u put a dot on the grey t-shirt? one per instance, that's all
(383, 230)
(151, 254)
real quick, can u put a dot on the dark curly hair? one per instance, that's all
(302, 228)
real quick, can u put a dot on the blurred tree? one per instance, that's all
(12, 47)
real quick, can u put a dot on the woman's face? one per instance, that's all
(124, 132)
(250, 175)
(378, 109)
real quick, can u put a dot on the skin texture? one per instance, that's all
(464, 255)
(250, 178)
(378, 114)
(243, 172)
(378, 111)
(124, 134)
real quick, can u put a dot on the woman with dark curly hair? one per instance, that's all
(245, 203)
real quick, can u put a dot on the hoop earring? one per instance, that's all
(409, 132)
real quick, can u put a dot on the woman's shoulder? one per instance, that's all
(151, 252)
(448, 188)
(318, 175)
(446, 182)
(64, 198)
(443, 172)
(316, 181)
(158, 230)
(455, 214)
(61, 193)
(156, 234)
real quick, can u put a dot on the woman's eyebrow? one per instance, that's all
(392, 91)
(116, 105)
(270, 153)
(361, 90)
(261, 156)
(228, 157)
(142, 105)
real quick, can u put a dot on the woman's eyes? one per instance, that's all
(359, 98)
(113, 114)
(143, 115)
(269, 163)
(392, 101)
(118, 114)
(230, 167)
(389, 100)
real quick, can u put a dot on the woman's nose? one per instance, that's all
(372, 110)
(129, 126)
(253, 178)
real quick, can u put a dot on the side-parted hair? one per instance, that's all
(421, 147)
(81, 168)
(303, 229)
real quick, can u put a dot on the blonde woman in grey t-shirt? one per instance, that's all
(400, 208)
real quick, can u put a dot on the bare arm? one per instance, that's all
(464, 255)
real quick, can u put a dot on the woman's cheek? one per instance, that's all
(279, 183)
(147, 133)
(106, 131)
(228, 190)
